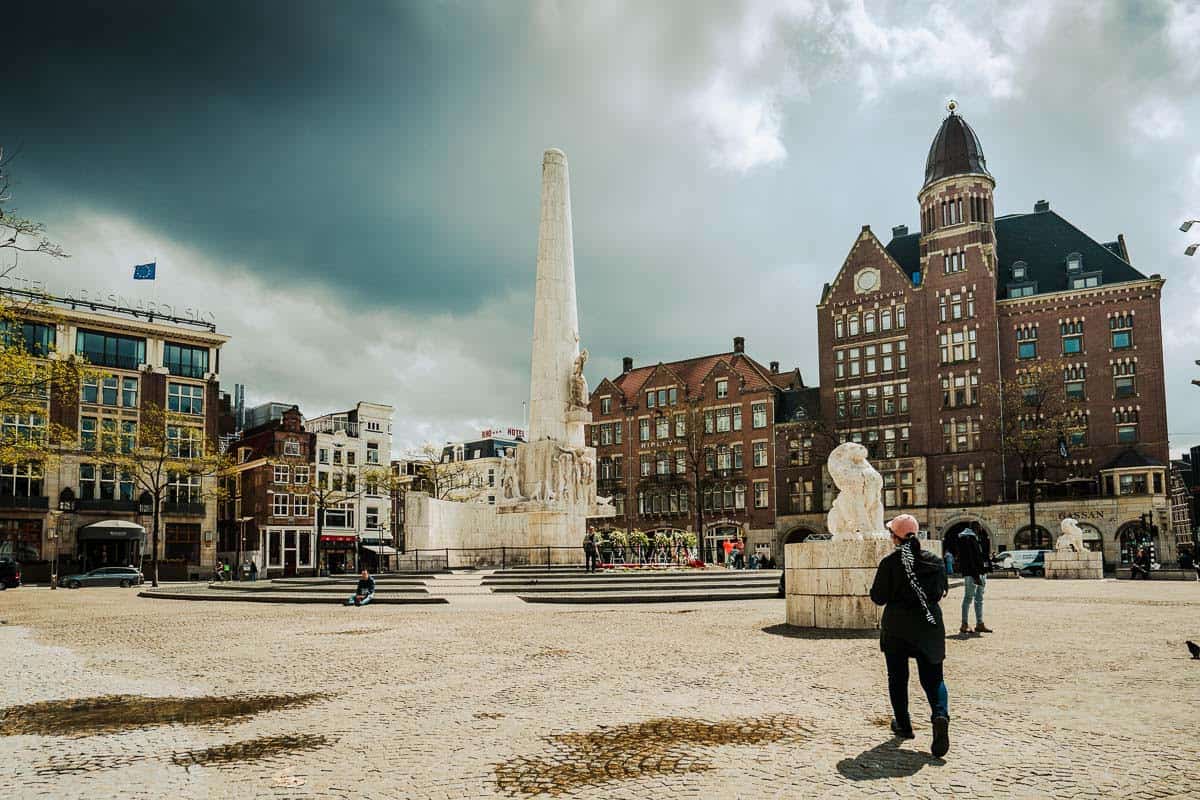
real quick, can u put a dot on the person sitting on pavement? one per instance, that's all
(364, 591)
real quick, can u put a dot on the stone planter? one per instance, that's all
(828, 584)
(1085, 565)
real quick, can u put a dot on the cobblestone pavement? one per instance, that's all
(1085, 690)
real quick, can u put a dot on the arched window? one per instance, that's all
(1032, 538)
(1133, 536)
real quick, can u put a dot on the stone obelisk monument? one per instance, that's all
(547, 489)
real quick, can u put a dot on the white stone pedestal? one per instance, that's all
(1086, 565)
(828, 584)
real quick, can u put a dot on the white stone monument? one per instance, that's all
(1071, 558)
(548, 486)
(828, 584)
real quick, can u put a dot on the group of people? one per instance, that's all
(223, 571)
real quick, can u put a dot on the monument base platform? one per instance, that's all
(442, 524)
(1070, 564)
(828, 584)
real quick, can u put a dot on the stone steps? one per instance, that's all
(654, 596)
(305, 598)
(583, 588)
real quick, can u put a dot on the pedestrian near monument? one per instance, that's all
(253, 570)
(973, 568)
(909, 584)
(364, 591)
(591, 552)
(949, 563)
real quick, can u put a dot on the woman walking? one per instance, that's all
(909, 584)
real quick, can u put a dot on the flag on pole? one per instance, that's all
(144, 272)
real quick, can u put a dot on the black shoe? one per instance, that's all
(941, 737)
(904, 732)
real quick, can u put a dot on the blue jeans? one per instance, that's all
(932, 682)
(351, 602)
(973, 590)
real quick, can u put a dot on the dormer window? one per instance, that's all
(1074, 262)
(1019, 271)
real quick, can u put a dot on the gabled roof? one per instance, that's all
(1043, 240)
(692, 371)
(1131, 458)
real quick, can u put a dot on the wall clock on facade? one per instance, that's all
(867, 280)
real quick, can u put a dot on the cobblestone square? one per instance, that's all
(1085, 690)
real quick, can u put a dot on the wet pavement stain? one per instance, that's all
(120, 712)
(667, 746)
(263, 748)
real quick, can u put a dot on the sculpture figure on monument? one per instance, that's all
(566, 471)
(1072, 536)
(857, 513)
(579, 388)
(509, 490)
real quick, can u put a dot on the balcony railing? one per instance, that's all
(185, 370)
(8, 501)
(106, 505)
(98, 359)
(184, 509)
(332, 425)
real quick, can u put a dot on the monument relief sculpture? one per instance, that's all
(579, 388)
(857, 513)
(1072, 536)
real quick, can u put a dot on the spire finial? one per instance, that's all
(953, 104)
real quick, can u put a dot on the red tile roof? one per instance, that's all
(693, 371)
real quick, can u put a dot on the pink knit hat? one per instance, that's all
(904, 525)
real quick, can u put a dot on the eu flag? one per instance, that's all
(144, 272)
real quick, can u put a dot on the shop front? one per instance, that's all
(110, 543)
(289, 551)
(375, 554)
(339, 552)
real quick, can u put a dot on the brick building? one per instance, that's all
(78, 511)
(655, 428)
(267, 514)
(916, 335)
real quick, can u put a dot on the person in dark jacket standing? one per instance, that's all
(973, 568)
(909, 584)
(591, 553)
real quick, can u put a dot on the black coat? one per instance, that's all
(969, 560)
(904, 628)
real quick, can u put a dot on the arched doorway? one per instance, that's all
(714, 542)
(1134, 535)
(950, 536)
(1033, 537)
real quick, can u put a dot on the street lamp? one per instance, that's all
(1191, 249)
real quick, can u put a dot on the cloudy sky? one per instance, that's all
(352, 188)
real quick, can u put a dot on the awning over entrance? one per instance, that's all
(332, 539)
(111, 530)
(380, 549)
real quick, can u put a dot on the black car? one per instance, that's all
(10, 574)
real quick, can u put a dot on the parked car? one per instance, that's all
(1026, 562)
(10, 574)
(105, 576)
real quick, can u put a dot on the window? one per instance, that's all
(957, 346)
(897, 488)
(680, 425)
(337, 456)
(185, 361)
(323, 455)
(300, 475)
(110, 349)
(90, 390)
(680, 462)
(1027, 341)
(605, 405)
(102, 483)
(1127, 434)
(34, 337)
(1019, 271)
(372, 453)
(662, 463)
(737, 418)
(21, 480)
(722, 388)
(900, 323)
(183, 488)
(282, 473)
(340, 516)
(1074, 262)
(760, 494)
(724, 419)
(1088, 281)
(644, 429)
(885, 320)
(185, 398)
(964, 484)
(280, 504)
(1122, 340)
(839, 328)
(87, 433)
(760, 454)
(617, 427)
(869, 322)
(852, 324)
(1133, 484)
(662, 427)
(1123, 378)
(372, 516)
(960, 436)
(672, 395)
(758, 412)
(645, 463)
(1072, 336)
(108, 390)
(1027, 350)
(1022, 290)
(128, 436)
(955, 262)
(737, 456)
(300, 505)
(650, 399)
(352, 457)
(184, 442)
(129, 392)
(291, 448)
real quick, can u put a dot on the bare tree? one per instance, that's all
(445, 478)
(1031, 417)
(345, 484)
(18, 234)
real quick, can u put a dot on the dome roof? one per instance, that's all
(955, 151)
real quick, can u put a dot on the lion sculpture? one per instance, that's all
(857, 512)
(1072, 537)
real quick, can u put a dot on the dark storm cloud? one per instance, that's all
(307, 139)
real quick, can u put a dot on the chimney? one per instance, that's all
(775, 367)
(626, 364)
(1041, 206)
(899, 230)
(739, 344)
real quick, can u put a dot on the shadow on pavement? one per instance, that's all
(886, 760)
(792, 632)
